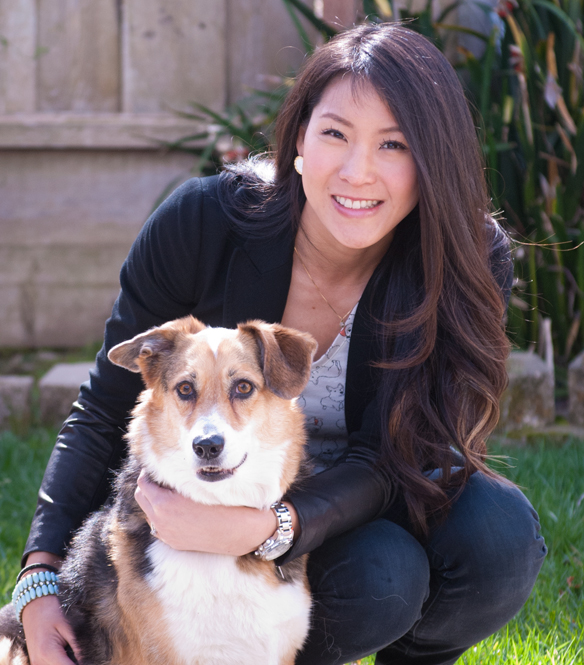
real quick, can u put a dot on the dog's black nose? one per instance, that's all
(208, 447)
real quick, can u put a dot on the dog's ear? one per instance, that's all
(285, 356)
(136, 352)
(140, 348)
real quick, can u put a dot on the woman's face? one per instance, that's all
(358, 174)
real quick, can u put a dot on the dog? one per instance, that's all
(335, 399)
(129, 597)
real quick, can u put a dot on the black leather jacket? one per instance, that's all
(187, 260)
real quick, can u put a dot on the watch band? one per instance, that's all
(281, 541)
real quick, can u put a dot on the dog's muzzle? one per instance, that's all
(208, 450)
(212, 473)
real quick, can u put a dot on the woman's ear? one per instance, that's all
(300, 140)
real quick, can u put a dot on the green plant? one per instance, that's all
(242, 129)
(529, 90)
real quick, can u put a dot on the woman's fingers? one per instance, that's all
(141, 496)
(47, 632)
(69, 638)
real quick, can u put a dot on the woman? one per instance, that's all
(375, 226)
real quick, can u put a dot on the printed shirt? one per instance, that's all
(323, 401)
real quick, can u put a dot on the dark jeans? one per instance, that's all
(377, 589)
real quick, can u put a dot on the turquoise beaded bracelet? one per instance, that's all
(32, 587)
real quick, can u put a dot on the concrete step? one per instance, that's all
(576, 389)
(58, 390)
(15, 399)
(529, 398)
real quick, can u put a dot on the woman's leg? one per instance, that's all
(484, 561)
(368, 587)
(377, 586)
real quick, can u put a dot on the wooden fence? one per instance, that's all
(86, 88)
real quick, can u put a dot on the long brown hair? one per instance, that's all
(444, 346)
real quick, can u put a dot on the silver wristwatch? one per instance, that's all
(281, 541)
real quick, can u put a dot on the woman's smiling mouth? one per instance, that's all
(356, 204)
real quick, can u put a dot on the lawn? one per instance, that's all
(549, 629)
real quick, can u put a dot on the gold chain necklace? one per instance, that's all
(342, 319)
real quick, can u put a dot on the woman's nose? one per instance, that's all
(358, 167)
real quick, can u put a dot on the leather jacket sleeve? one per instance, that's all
(354, 491)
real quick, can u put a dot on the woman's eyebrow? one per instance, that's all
(338, 118)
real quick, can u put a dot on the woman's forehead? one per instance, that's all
(342, 100)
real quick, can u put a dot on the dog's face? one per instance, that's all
(218, 420)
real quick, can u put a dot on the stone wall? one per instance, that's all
(87, 90)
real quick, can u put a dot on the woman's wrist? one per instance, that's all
(38, 579)
(267, 524)
(44, 557)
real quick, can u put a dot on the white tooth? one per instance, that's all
(356, 205)
(341, 200)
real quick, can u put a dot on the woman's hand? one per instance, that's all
(46, 629)
(47, 632)
(184, 524)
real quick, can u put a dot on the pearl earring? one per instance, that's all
(298, 164)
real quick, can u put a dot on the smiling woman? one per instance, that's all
(358, 174)
(371, 230)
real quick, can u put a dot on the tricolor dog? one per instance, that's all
(218, 422)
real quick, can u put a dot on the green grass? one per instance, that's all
(22, 463)
(549, 629)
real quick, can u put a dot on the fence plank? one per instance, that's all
(17, 55)
(117, 131)
(173, 53)
(258, 48)
(78, 56)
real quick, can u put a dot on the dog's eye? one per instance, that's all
(185, 390)
(243, 388)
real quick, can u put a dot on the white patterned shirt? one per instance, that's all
(323, 401)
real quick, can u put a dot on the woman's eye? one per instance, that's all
(185, 390)
(393, 145)
(333, 132)
(243, 388)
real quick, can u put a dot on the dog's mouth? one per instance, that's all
(212, 474)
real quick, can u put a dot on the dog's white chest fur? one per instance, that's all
(218, 614)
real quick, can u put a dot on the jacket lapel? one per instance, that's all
(258, 280)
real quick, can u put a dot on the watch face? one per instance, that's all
(275, 546)
(277, 550)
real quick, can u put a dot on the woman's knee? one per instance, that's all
(376, 575)
(491, 539)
